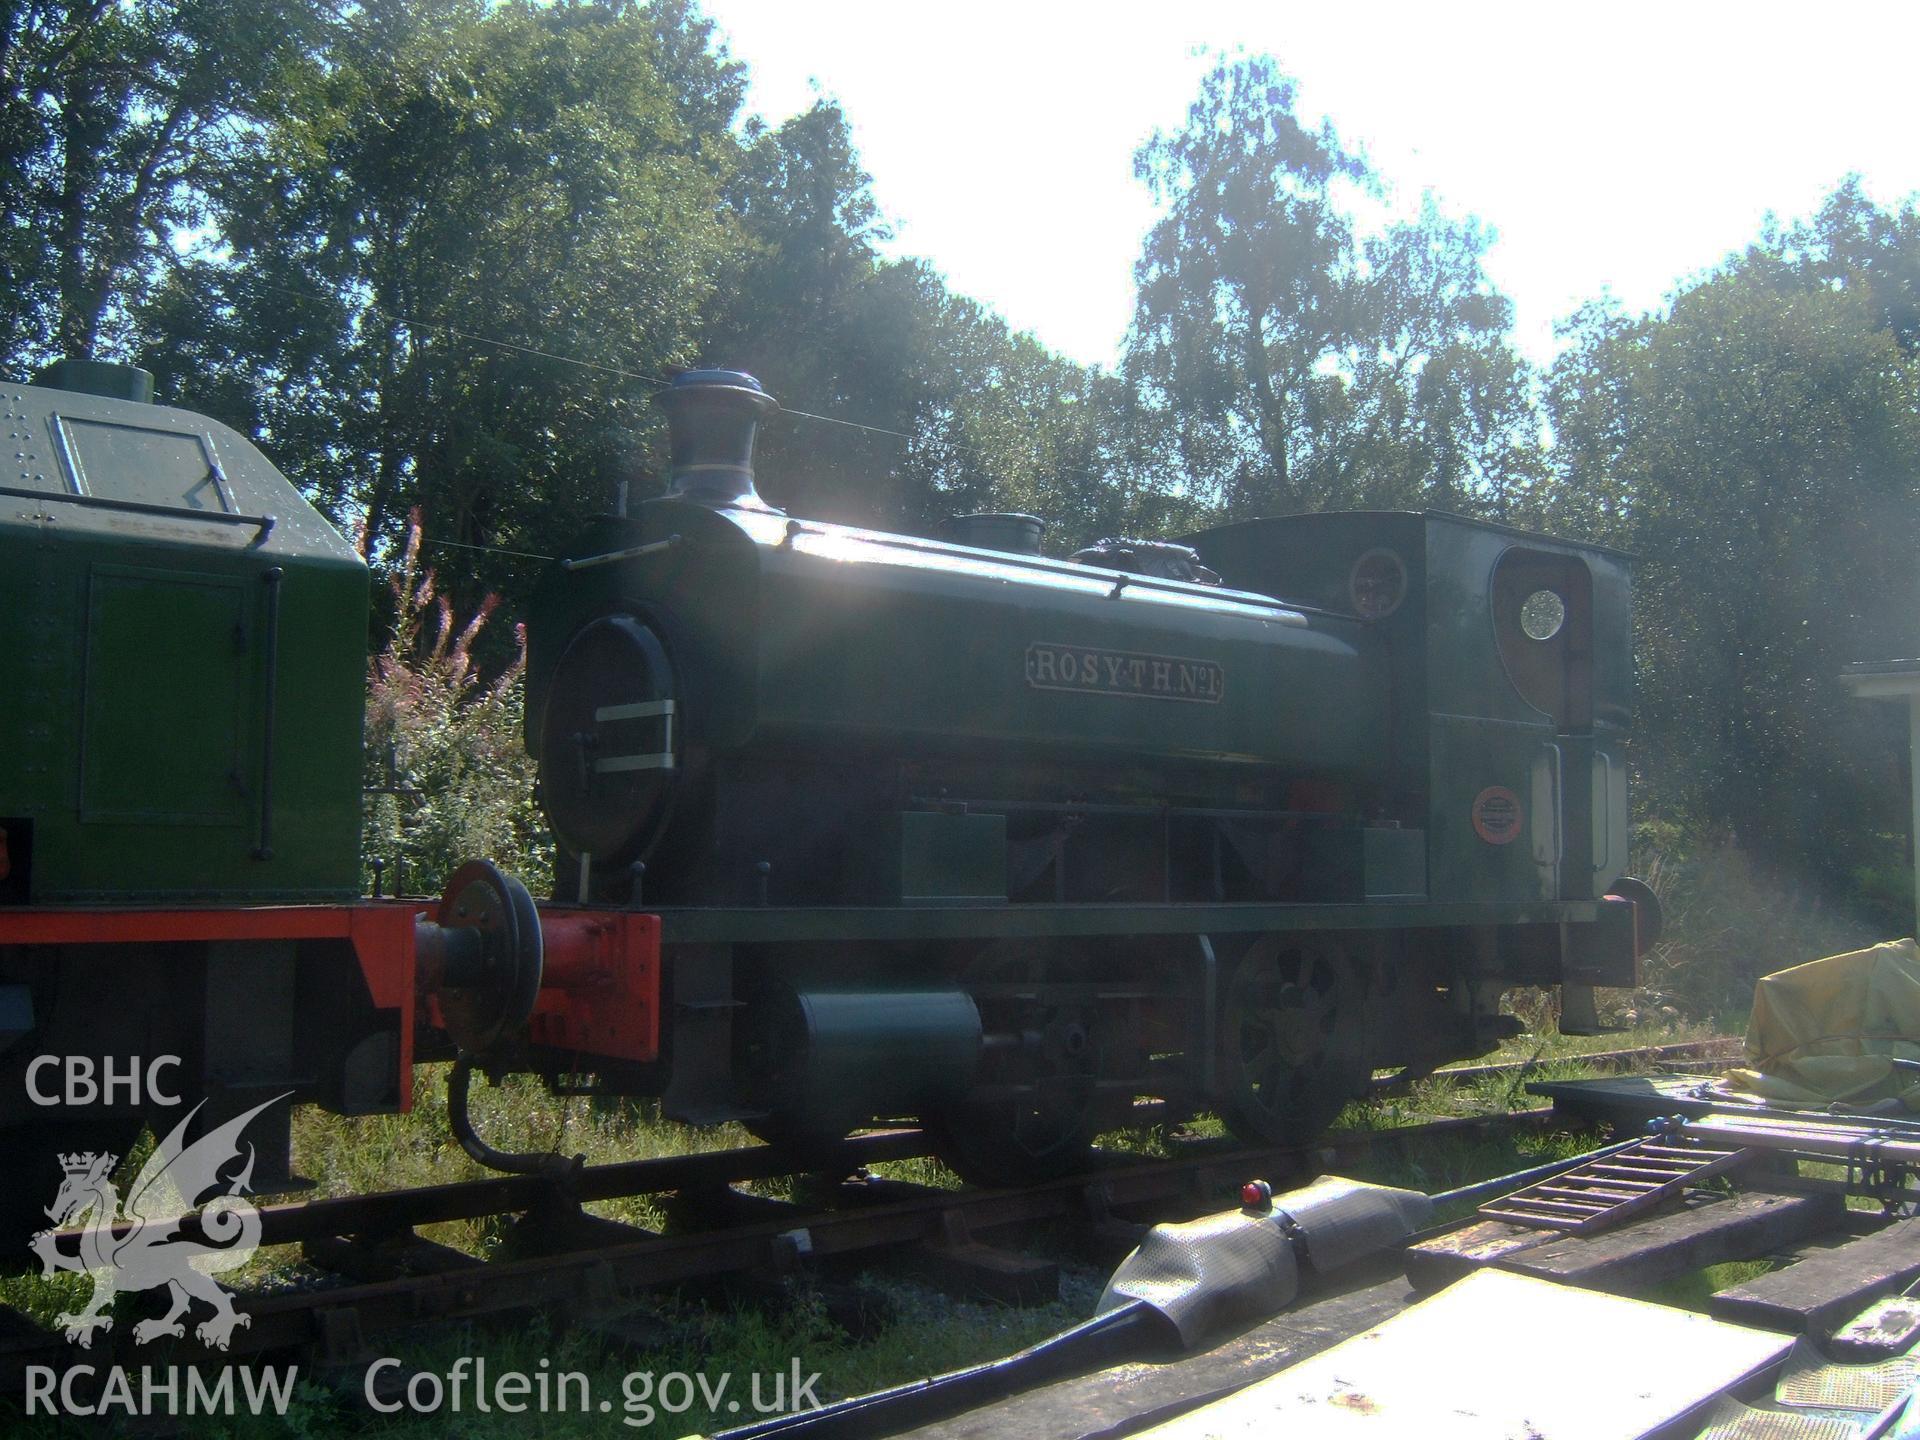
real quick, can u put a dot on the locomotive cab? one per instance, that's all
(1513, 695)
(1511, 681)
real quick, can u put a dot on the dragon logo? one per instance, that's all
(145, 1251)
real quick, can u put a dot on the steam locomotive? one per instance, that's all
(851, 824)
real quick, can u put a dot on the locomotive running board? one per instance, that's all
(764, 923)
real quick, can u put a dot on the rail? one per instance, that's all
(597, 1264)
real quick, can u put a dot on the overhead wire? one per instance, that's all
(488, 549)
(850, 424)
(413, 324)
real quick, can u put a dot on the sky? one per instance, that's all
(1610, 148)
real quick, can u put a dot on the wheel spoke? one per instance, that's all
(1290, 1028)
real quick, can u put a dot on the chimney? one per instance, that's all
(711, 419)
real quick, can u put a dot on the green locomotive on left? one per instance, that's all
(186, 666)
(182, 927)
(185, 669)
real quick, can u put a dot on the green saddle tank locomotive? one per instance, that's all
(852, 825)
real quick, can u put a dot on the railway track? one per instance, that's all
(381, 1275)
(1720, 1047)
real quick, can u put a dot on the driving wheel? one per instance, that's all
(1292, 1039)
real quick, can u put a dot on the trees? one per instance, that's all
(1853, 244)
(799, 304)
(999, 422)
(464, 201)
(451, 273)
(1759, 449)
(961, 413)
(115, 122)
(1295, 365)
(1246, 286)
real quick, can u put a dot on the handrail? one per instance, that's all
(263, 523)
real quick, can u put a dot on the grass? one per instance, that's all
(624, 1377)
(918, 1332)
(1730, 921)
(392, 1152)
(1546, 1056)
(1692, 1290)
(903, 1330)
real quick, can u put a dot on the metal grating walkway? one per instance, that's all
(1606, 1191)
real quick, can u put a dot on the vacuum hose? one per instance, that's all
(1092, 1343)
(551, 1164)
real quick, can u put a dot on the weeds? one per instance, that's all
(447, 776)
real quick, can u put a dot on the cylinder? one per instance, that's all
(1339, 1221)
(830, 1059)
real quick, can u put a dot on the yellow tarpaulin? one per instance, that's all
(1828, 1031)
